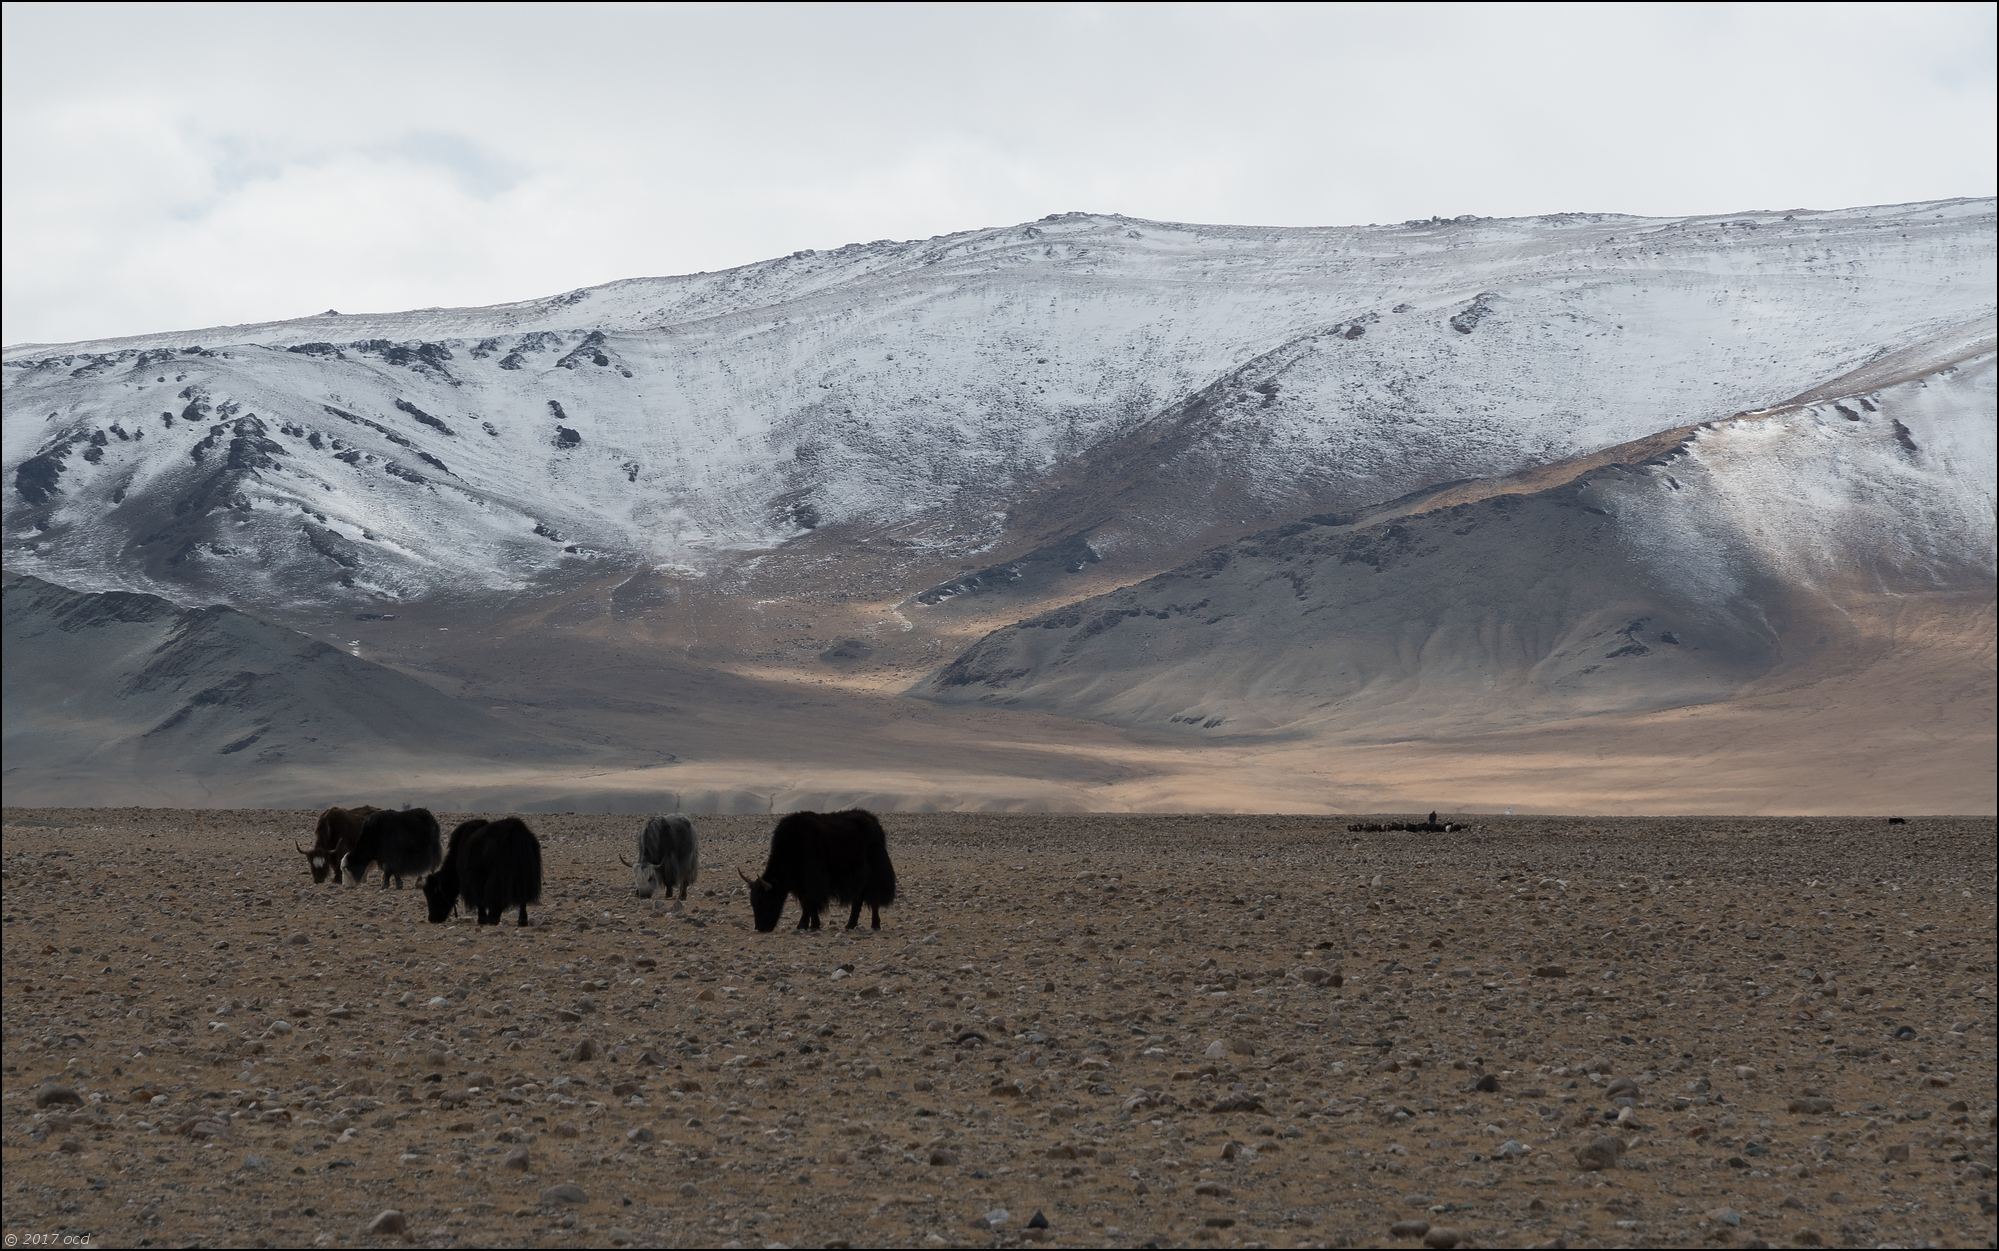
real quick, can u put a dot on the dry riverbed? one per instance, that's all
(1229, 1031)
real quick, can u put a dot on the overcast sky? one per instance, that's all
(173, 167)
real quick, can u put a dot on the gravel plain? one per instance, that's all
(1074, 1030)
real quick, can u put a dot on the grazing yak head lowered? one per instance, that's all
(492, 866)
(334, 837)
(821, 856)
(668, 858)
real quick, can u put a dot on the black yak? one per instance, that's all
(667, 857)
(334, 837)
(492, 866)
(405, 844)
(819, 856)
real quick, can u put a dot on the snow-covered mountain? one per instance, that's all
(1150, 384)
(1220, 485)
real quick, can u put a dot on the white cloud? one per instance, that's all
(188, 166)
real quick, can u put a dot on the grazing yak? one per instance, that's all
(405, 844)
(819, 856)
(338, 830)
(667, 857)
(492, 866)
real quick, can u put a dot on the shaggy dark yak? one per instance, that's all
(338, 830)
(405, 844)
(668, 857)
(819, 856)
(492, 866)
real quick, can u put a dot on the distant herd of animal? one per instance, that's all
(494, 866)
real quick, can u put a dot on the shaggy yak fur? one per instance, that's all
(492, 866)
(405, 844)
(667, 857)
(819, 856)
(339, 829)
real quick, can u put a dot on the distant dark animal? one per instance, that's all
(335, 836)
(492, 866)
(668, 857)
(1432, 826)
(819, 856)
(405, 844)
(1898, 820)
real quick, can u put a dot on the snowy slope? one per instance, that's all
(957, 396)
(1676, 574)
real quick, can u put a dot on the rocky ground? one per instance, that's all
(1077, 1030)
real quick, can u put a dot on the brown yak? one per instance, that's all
(335, 837)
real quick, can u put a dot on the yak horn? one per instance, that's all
(301, 851)
(628, 864)
(754, 881)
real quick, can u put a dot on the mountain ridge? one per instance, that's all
(862, 470)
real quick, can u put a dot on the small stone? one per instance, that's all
(567, 1192)
(1037, 1221)
(1726, 1216)
(1214, 1189)
(1511, 1149)
(517, 1160)
(1217, 1050)
(389, 1222)
(1599, 1153)
(1486, 1084)
(1442, 1238)
(300, 940)
(941, 1158)
(1409, 1229)
(1811, 1105)
(1622, 1086)
(585, 1050)
(1550, 970)
(639, 1134)
(1897, 1153)
(57, 1096)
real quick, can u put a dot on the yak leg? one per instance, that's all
(524, 914)
(804, 919)
(876, 915)
(854, 917)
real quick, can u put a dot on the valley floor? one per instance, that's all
(1192, 1029)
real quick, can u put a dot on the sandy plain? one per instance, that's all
(1230, 1031)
